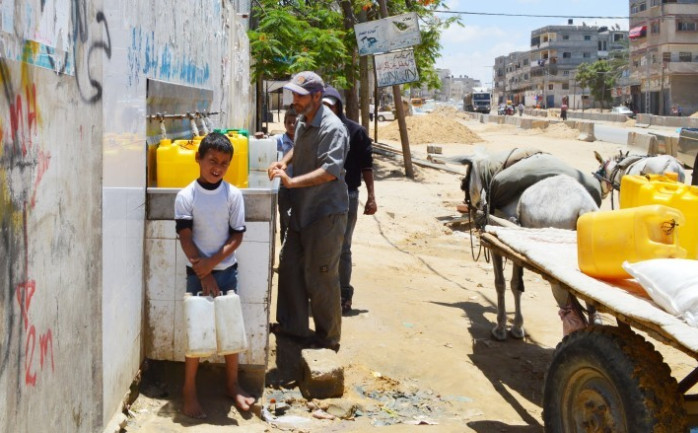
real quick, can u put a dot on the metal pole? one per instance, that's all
(376, 104)
(400, 113)
(647, 89)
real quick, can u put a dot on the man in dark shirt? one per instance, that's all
(359, 164)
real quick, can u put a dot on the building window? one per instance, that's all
(525, 62)
(550, 86)
(566, 55)
(565, 73)
(565, 37)
(685, 57)
(666, 57)
(654, 27)
(565, 86)
(586, 55)
(655, 3)
(587, 37)
(686, 26)
(633, 9)
(642, 6)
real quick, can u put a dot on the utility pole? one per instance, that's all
(400, 113)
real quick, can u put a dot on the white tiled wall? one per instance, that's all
(166, 282)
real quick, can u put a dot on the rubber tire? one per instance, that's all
(613, 368)
(381, 119)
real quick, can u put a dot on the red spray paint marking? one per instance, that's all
(41, 167)
(16, 122)
(25, 292)
(29, 378)
(44, 341)
(32, 114)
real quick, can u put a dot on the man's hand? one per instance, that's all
(209, 286)
(285, 179)
(277, 165)
(371, 206)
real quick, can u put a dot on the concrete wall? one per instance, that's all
(51, 212)
(72, 188)
(675, 121)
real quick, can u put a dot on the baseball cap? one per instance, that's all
(331, 100)
(305, 82)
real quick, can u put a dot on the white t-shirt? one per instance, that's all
(213, 214)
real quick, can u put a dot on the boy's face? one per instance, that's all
(290, 124)
(213, 165)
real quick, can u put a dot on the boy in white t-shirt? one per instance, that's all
(210, 221)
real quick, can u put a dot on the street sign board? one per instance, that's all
(388, 34)
(396, 68)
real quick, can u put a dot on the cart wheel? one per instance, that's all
(604, 379)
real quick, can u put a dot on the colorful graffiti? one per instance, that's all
(23, 163)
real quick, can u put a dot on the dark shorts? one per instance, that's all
(227, 279)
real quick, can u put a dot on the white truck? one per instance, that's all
(478, 100)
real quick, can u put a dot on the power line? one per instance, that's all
(587, 17)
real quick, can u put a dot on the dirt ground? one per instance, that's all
(417, 349)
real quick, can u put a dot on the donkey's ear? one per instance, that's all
(598, 157)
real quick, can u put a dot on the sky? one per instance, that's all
(471, 50)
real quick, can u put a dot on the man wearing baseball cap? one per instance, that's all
(309, 265)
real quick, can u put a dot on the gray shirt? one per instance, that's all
(323, 143)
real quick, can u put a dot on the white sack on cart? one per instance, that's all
(671, 283)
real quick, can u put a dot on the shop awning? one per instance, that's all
(637, 32)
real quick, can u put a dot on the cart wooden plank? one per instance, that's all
(552, 253)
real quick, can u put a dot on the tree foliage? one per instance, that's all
(296, 36)
(293, 36)
(599, 77)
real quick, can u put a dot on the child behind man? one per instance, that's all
(284, 143)
(210, 221)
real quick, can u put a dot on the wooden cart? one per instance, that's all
(604, 378)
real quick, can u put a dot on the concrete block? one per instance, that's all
(434, 149)
(323, 376)
(587, 131)
(642, 143)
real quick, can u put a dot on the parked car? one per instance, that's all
(622, 109)
(385, 115)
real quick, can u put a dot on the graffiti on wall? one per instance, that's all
(23, 163)
(26, 335)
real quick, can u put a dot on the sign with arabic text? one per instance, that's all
(396, 68)
(388, 34)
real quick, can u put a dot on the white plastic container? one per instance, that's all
(230, 326)
(200, 321)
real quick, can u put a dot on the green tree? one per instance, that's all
(290, 36)
(295, 36)
(599, 77)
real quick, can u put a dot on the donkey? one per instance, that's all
(533, 190)
(613, 169)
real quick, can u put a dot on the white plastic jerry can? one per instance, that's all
(200, 320)
(230, 326)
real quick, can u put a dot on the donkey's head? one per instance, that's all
(608, 174)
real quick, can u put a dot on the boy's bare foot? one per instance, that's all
(191, 406)
(242, 399)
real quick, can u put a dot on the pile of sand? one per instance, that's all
(432, 128)
(560, 130)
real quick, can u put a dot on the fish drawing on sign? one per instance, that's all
(401, 26)
(369, 41)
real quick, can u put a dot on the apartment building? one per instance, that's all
(512, 74)
(663, 56)
(544, 76)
